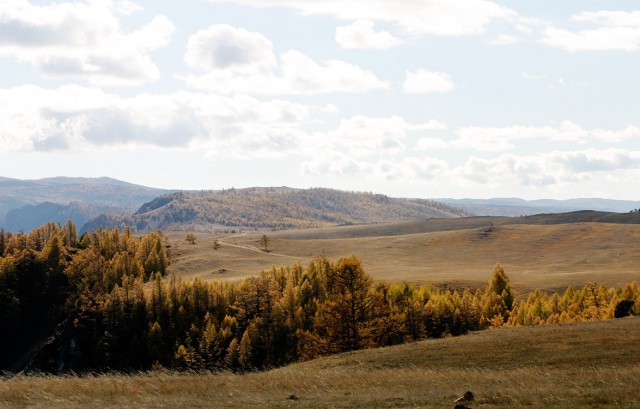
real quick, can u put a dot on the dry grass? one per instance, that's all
(549, 257)
(562, 366)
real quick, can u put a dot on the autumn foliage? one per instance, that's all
(103, 302)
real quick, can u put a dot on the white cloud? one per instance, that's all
(504, 39)
(502, 139)
(240, 61)
(408, 169)
(427, 144)
(604, 135)
(616, 31)
(594, 160)
(124, 7)
(361, 34)
(610, 18)
(360, 136)
(303, 75)
(221, 47)
(425, 82)
(78, 118)
(83, 40)
(436, 17)
(548, 169)
(359, 142)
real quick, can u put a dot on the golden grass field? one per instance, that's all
(451, 252)
(585, 365)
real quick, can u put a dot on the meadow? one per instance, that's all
(580, 365)
(443, 252)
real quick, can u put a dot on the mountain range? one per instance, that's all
(520, 207)
(107, 202)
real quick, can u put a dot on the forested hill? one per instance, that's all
(274, 208)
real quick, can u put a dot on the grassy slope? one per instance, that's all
(557, 366)
(454, 252)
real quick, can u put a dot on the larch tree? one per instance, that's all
(264, 242)
(342, 320)
(499, 297)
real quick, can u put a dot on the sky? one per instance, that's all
(412, 98)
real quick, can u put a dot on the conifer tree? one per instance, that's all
(244, 351)
(231, 357)
(342, 319)
(499, 297)
(264, 242)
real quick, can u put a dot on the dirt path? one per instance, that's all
(256, 249)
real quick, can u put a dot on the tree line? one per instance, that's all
(103, 301)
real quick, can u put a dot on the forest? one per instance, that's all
(103, 301)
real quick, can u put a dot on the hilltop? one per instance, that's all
(273, 208)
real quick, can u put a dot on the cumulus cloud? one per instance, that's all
(83, 40)
(360, 141)
(503, 139)
(627, 133)
(426, 82)
(361, 135)
(239, 61)
(546, 169)
(79, 118)
(614, 31)
(435, 17)
(222, 47)
(593, 160)
(408, 169)
(361, 34)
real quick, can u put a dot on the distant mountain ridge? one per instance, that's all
(521, 207)
(273, 208)
(25, 203)
(31, 216)
(102, 202)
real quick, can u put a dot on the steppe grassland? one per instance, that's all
(549, 257)
(558, 366)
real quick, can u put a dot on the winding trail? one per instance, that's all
(256, 249)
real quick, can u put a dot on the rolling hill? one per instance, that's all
(549, 252)
(273, 208)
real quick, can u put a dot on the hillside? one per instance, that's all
(60, 197)
(549, 252)
(555, 366)
(273, 208)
